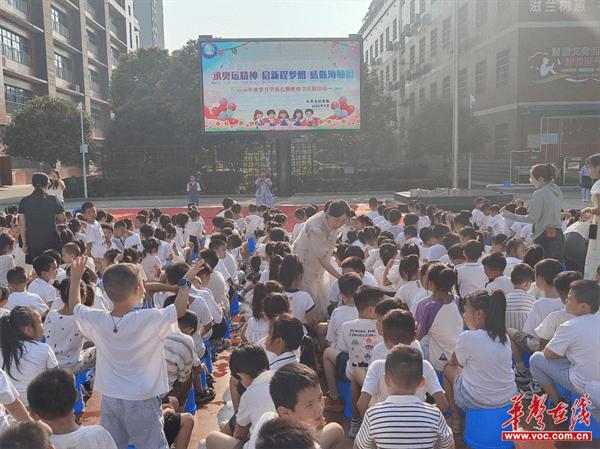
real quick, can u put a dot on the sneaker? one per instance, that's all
(334, 405)
(235, 325)
(530, 389)
(522, 376)
(354, 428)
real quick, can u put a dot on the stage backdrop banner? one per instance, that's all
(281, 85)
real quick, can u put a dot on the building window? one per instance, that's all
(412, 57)
(411, 104)
(94, 80)
(402, 87)
(130, 34)
(395, 71)
(114, 24)
(501, 140)
(115, 55)
(63, 67)
(422, 4)
(462, 83)
(387, 75)
(422, 50)
(433, 91)
(376, 49)
(446, 88)
(480, 77)
(381, 43)
(60, 22)
(370, 53)
(367, 57)
(15, 46)
(412, 11)
(433, 42)
(387, 37)
(395, 30)
(502, 69)
(92, 42)
(21, 5)
(422, 97)
(463, 20)
(16, 97)
(446, 30)
(480, 13)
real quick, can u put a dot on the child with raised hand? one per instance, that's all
(493, 266)
(562, 283)
(399, 327)
(568, 359)
(296, 393)
(438, 316)
(130, 348)
(480, 373)
(404, 420)
(23, 355)
(51, 396)
(301, 303)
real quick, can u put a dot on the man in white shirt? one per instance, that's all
(569, 359)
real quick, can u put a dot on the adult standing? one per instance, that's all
(263, 190)
(314, 247)
(57, 186)
(592, 260)
(544, 211)
(38, 214)
(193, 189)
(585, 182)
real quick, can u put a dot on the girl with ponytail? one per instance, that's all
(480, 374)
(302, 305)
(22, 355)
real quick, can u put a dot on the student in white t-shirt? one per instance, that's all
(283, 341)
(52, 396)
(399, 327)
(569, 358)
(129, 345)
(300, 217)
(471, 275)
(329, 333)
(23, 354)
(10, 404)
(493, 266)
(253, 221)
(94, 237)
(196, 228)
(515, 251)
(496, 222)
(301, 303)
(7, 260)
(562, 283)
(519, 302)
(20, 296)
(412, 288)
(45, 268)
(383, 274)
(480, 373)
(351, 265)
(151, 263)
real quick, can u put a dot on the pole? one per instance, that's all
(470, 167)
(83, 151)
(455, 104)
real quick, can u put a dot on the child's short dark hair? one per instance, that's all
(388, 304)
(16, 276)
(468, 233)
(349, 283)
(248, 358)
(275, 304)
(280, 432)
(473, 249)
(188, 319)
(587, 292)
(367, 296)
(85, 206)
(355, 264)
(120, 281)
(404, 366)
(353, 251)
(399, 326)
(288, 328)
(409, 248)
(25, 435)
(512, 246)
(426, 234)
(216, 244)
(51, 394)
(287, 383)
(42, 264)
(521, 273)
(176, 272)
(300, 214)
(456, 252)
(394, 216)
(72, 248)
(410, 220)
(548, 269)
(450, 240)
(210, 257)
(147, 231)
(495, 262)
(563, 281)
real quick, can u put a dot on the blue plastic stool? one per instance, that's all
(190, 404)
(483, 428)
(207, 359)
(80, 378)
(526, 356)
(227, 327)
(594, 426)
(235, 304)
(251, 245)
(568, 395)
(344, 392)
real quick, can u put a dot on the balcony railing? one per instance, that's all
(16, 54)
(61, 29)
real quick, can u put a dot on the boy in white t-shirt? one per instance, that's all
(471, 275)
(519, 302)
(131, 371)
(196, 228)
(253, 222)
(51, 397)
(357, 339)
(570, 358)
(94, 237)
(300, 217)
(493, 266)
(329, 333)
(19, 296)
(46, 268)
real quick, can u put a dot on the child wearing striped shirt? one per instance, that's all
(403, 420)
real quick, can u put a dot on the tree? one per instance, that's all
(430, 131)
(48, 130)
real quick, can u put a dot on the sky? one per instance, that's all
(187, 19)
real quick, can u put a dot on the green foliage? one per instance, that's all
(47, 129)
(430, 131)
